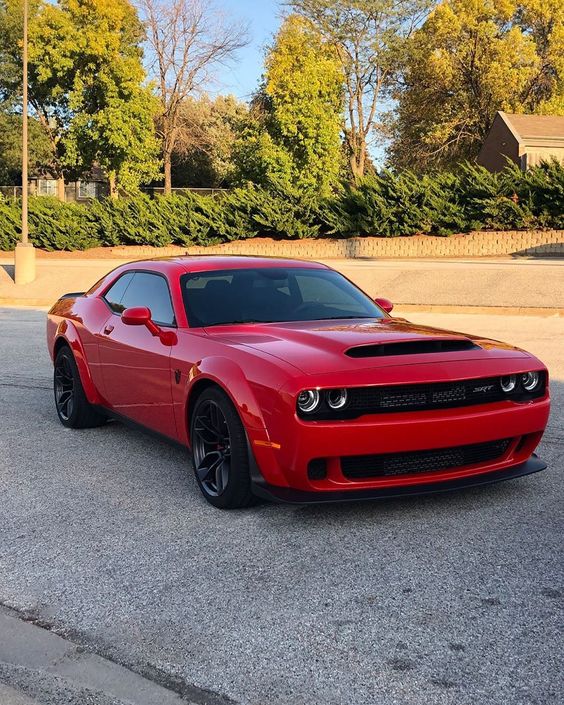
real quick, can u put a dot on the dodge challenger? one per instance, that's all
(287, 382)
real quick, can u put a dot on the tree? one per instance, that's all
(543, 20)
(44, 106)
(470, 59)
(187, 40)
(39, 147)
(303, 89)
(86, 56)
(368, 37)
(203, 154)
(258, 159)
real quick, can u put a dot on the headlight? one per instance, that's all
(308, 400)
(530, 381)
(508, 383)
(336, 398)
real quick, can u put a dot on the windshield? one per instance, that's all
(273, 294)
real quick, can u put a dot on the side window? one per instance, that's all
(115, 293)
(150, 290)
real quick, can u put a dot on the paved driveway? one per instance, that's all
(455, 599)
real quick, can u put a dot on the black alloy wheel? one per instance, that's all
(212, 448)
(219, 449)
(64, 387)
(73, 408)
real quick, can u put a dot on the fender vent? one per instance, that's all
(412, 347)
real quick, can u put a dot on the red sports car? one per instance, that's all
(287, 382)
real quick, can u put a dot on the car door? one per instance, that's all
(135, 364)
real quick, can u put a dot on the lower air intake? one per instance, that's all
(357, 467)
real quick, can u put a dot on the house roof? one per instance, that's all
(526, 128)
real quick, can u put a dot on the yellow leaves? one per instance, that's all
(553, 106)
(504, 9)
(304, 81)
(544, 10)
(474, 57)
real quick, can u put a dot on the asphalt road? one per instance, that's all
(455, 599)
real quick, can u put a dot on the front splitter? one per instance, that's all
(293, 496)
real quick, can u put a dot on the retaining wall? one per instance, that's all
(476, 244)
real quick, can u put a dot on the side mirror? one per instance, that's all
(138, 316)
(386, 304)
(141, 316)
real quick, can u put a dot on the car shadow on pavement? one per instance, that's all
(460, 501)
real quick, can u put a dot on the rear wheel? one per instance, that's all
(73, 408)
(219, 447)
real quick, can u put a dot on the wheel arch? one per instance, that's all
(227, 376)
(201, 384)
(67, 336)
(253, 402)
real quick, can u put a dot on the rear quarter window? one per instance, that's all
(115, 293)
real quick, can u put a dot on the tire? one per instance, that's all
(219, 450)
(73, 408)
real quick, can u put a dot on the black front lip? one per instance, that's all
(292, 496)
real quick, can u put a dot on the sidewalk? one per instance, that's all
(525, 286)
(38, 667)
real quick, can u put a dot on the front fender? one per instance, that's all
(66, 330)
(231, 378)
(253, 400)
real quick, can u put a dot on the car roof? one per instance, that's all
(176, 266)
(203, 263)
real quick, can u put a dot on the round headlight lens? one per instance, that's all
(508, 383)
(337, 398)
(530, 381)
(308, 400)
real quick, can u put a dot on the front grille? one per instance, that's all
(356, 467)
(439, 395)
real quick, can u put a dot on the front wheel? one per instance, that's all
(73, 408)
(219, 447)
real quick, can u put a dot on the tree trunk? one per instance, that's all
(113, 186)
(356, 168)
(362, 159)
(358, 158)
(61, 188)
(167, 158)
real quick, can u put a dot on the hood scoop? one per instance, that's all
(412, 347)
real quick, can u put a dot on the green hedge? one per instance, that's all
(387, 204)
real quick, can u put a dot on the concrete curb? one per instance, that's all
(33, 658)
(480, 310)
(25, 303)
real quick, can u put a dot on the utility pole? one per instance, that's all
(25, 252)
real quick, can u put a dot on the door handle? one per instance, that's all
(108, 329)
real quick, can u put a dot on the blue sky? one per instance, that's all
(263, 17)
(242, 76)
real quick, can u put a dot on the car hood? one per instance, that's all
(318, 347)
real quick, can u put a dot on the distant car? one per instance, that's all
(287, 382)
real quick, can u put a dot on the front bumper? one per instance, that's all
(296, 496)
(283, 453)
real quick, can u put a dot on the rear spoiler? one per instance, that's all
(72, 295)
